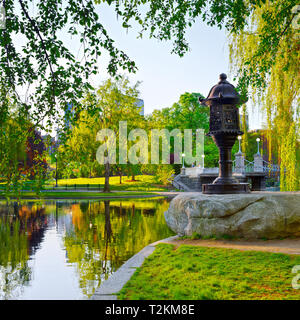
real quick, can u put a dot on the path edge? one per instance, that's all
(109, 288)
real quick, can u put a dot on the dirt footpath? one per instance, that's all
(289, 246)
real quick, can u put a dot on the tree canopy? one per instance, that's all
(35, 57)
(112, 102)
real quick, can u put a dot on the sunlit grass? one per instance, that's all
(73, 195)
(142, 183)
(199, 273)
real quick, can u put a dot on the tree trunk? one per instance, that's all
(120, 177)
(106, 184)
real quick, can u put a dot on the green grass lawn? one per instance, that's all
(142, 183)
(200, 273)
(76, 194)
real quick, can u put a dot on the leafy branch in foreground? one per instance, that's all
(36, 60)
(38, 69)
(169, 20)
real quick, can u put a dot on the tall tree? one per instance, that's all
(21, 150)
(187, 114)
(266, 56)
(117, 101)
(81, 146)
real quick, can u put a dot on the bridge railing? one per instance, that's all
(267, 167)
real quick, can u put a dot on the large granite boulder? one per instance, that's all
(255, 215)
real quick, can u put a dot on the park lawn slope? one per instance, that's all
(201, 273)
(75, 195)
(142, 183)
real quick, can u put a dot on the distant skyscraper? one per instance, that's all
(140, 104)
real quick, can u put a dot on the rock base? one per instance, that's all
(255, 215)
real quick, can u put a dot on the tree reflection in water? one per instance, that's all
(97, 237)
(108, 233)
(21, 230)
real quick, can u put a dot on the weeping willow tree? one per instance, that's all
(265, 56)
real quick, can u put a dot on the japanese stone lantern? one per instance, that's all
(224, 128)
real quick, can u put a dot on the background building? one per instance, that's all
(140, 104)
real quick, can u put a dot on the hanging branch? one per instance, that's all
(36, 29)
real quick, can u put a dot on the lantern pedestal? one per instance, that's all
(225, 183)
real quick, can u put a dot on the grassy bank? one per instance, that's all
(141, 183)
(76, 195)
(199, 273)
(144, 185)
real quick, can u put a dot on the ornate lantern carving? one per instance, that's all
(224, 128)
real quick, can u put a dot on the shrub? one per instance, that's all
(164, 174)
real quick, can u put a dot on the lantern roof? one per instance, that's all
(223, 92)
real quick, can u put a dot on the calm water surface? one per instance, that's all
(64, 249)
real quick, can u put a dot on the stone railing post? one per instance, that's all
(239, 163)
(258, 163)
(182, 172)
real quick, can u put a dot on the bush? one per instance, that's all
(164, 174)
(84, 171)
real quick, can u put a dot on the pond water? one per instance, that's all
(64, 249)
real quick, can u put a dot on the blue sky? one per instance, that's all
(164, 75)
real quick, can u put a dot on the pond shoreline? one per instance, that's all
(87, 196)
